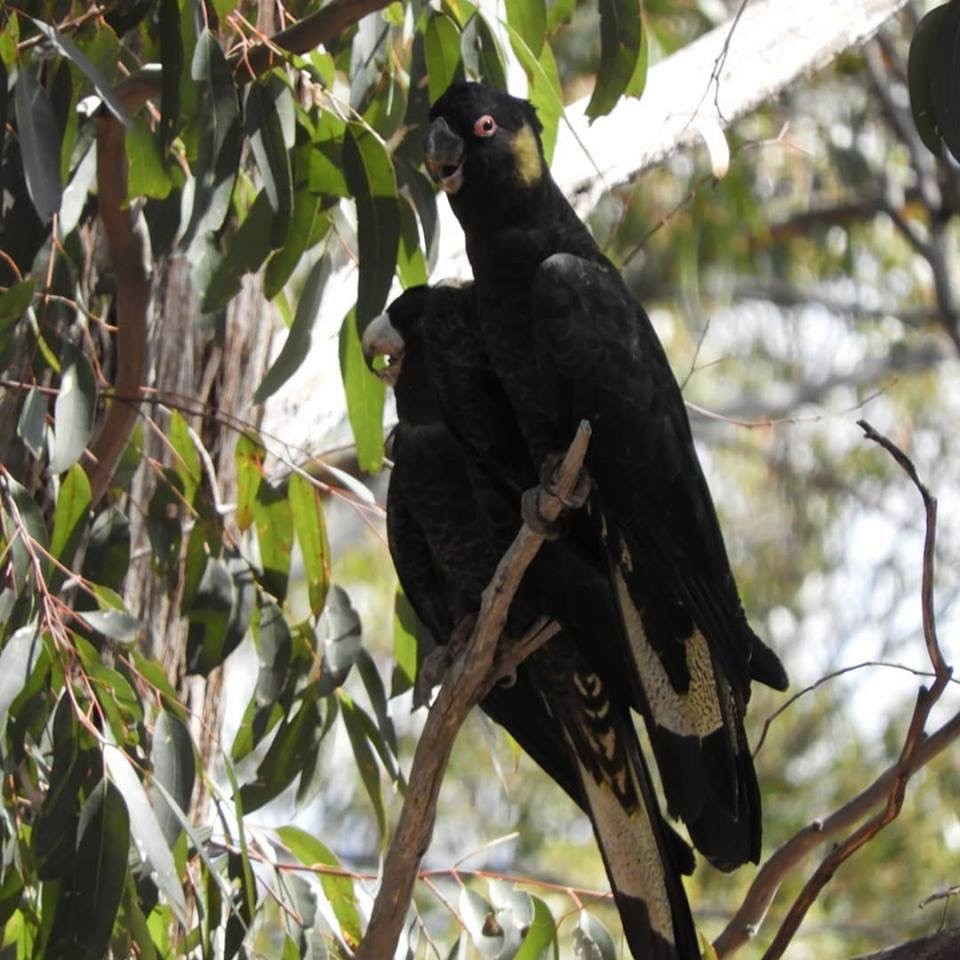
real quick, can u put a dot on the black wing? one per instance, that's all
(691, 647)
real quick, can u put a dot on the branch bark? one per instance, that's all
(471, 674)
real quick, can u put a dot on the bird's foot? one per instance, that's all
(530, 501)
(436, 663)
(581, 489)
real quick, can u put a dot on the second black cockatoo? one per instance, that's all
(447, 526)
(565, 340)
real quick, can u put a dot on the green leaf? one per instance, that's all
(32, 424)
(441, 48)
(297, 345)
(266, 101)
(147, 176)
(405, 645)
(308, 224)
(295, 740)
(373, 684)
(73, 508)
(540, 934)
(9, 38)
(274, 648)
(187, 460)
(174, 767)
(101, 870)
(372, 181)
(15, 300)
(324, 157)
(219, 612)
(39, 144)
(249, 463)
(621, 36)
(220, 141)
(88, 68)
(366, 762)
(146, 829)
(365, 397)
(274, 523)
(54, 833)
(410, 263)
(311, 530)
(339, 890)
(529, 19)
(107, 557)
(11, 891)
(74, 408)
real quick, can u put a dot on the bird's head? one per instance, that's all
(483, 145)
(387, 337)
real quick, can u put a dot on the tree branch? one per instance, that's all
(470, 675)
(311, 32)
(129, 248)
(888, 789)
(944, 945)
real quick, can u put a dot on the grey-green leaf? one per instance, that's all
(88, 68)
(297, 345)
(32, 423)
(74, 409)
(365, 397)
(268, 141)
(146, 829)
(39, 144)
(175, 768)
(17, 660)
(101, 870)
(372, 181)
(621, 36)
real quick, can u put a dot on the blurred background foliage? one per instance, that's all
(205, 673)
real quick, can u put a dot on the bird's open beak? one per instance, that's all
(382, 339)
(443, 155)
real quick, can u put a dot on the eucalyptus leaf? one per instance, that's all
(146, 829)
(297, 345)
(31, 427)
(88, 68)
(39, 144)
(74, 408)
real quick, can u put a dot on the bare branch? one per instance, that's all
(469, 677)
(888, 789)
(940, 946)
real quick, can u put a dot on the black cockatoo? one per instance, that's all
(447, 526)
(565, 340)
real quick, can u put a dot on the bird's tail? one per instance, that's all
(644, 857)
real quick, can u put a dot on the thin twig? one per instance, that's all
(469, 676)
(888, 789)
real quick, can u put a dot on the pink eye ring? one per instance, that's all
(485, 126)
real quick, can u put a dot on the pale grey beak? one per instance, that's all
(382, 339)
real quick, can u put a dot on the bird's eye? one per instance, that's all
(486, 126)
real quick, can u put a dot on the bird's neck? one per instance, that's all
(519, 237)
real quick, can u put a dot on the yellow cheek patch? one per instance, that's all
(527, 156)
